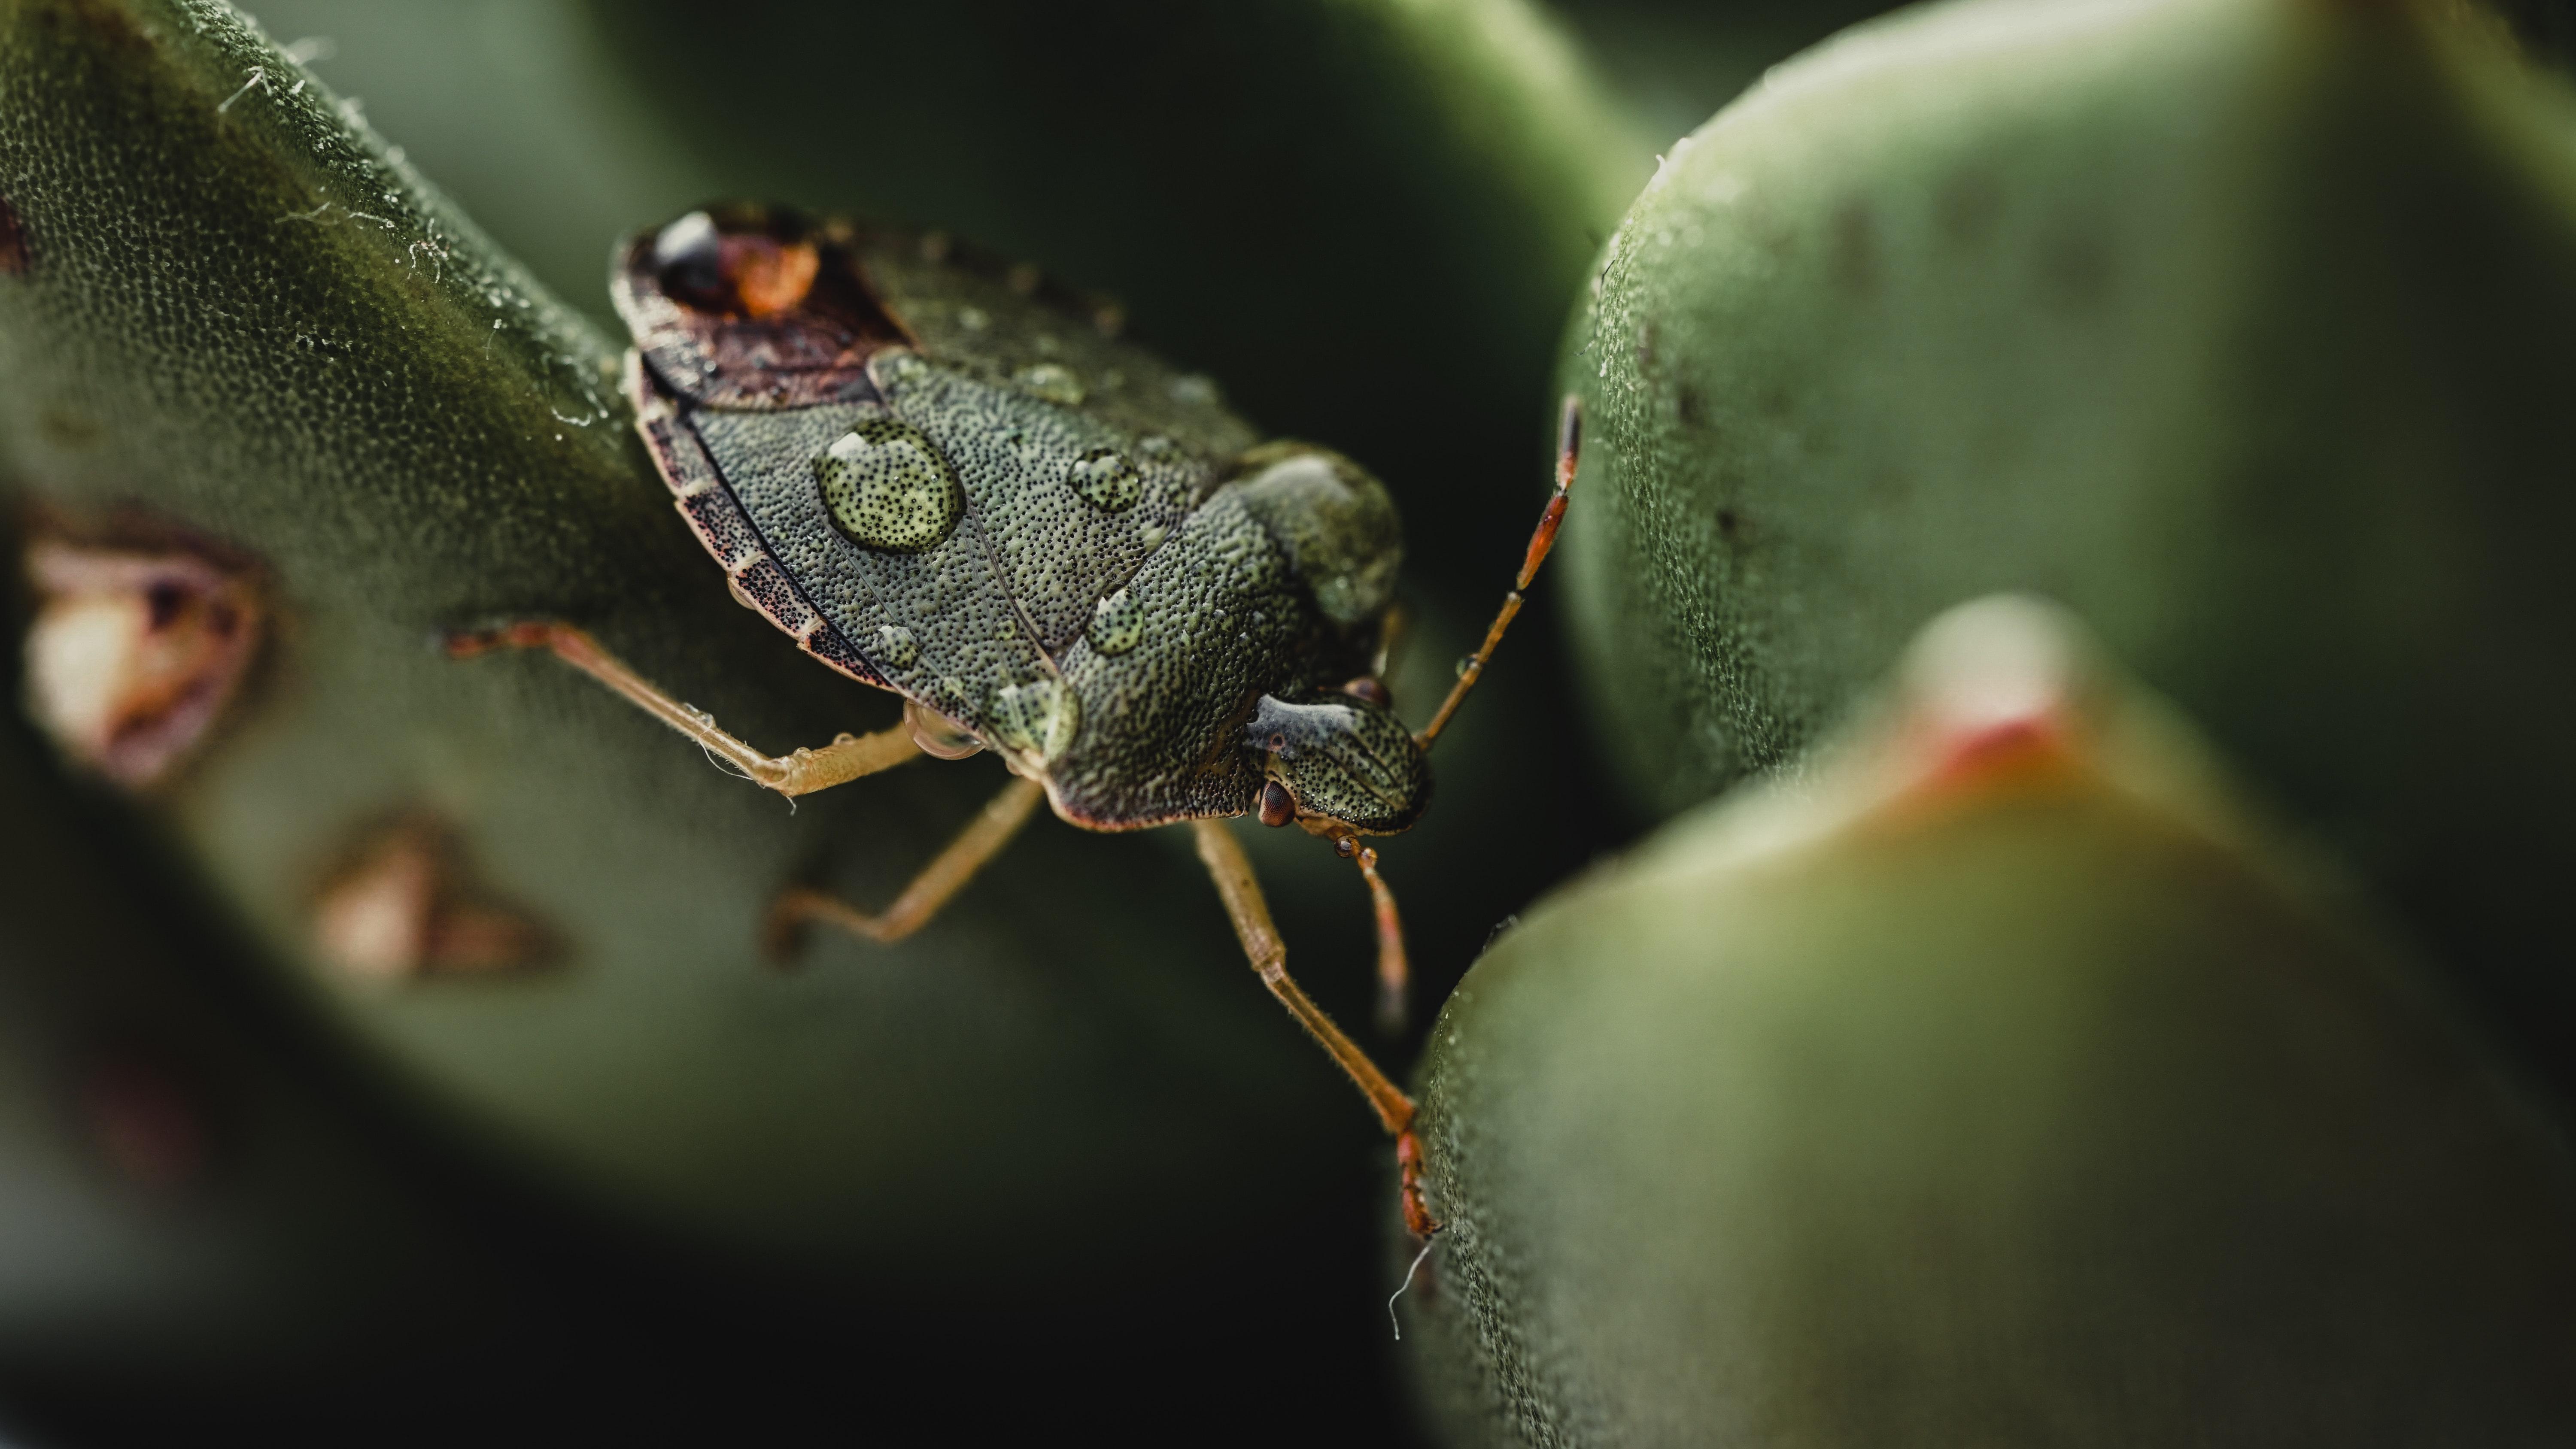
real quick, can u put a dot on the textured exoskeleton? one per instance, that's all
(1048, 540)
(949, 480)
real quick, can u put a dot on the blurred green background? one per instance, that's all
(1058, 1164)
(623, 1202)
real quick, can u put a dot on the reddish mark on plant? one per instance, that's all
(1408, 1166)
(2011, 747)
(13, 242)
(146, 1121)
(134, 653)
(406, 908)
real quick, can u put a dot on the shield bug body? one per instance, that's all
(949, 480)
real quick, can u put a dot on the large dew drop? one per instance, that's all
(888, 487)
(1037, 718)
(1117, 624)
(1106, 480)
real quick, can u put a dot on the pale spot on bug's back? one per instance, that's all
(1117, 624)
(1052, 381)
(889, 487)
(1040, 718)
(896, 648)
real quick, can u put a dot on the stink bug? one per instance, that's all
(949, 480)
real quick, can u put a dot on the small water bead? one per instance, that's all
(896, 648)
(887, 486)
(896, 367)
(1152, 536)
(1465, 663)
(1038, 718)
(1052, 381)
(1106, 480)
(1117, 624)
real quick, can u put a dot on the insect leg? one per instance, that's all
(1569, 449)
(1394, 972)
(946, 875)
(801, 773)
(1232, 872)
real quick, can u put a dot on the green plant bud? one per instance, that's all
(239, 330)
(2242, 326)
(179, 1212)
(1995, 1082)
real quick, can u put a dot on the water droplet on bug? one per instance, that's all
(1117, 624)
(1106, 480)
(1465, 663)
(1053, 381)
(896, 648)
(1152, 536)
(887, 486)
(1039, 718)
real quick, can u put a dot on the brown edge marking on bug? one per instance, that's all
(13, 242)
(717, 518)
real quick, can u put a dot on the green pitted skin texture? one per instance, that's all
(2241, 326)
(2011, 1093)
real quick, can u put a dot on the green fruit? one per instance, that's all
(2241, 326)
(1995, 1084)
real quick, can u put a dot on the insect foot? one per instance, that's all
(2003, 1047)
(134, 653)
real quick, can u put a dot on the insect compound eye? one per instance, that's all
(1278, 807)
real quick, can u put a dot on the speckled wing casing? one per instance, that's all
(1020, 393)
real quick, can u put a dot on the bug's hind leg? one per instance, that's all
(1232, 871)
(947, 874)
(801, 773)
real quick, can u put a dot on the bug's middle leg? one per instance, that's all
(1232, 871)
(947, 874)
(800, 773)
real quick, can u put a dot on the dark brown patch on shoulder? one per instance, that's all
(751, 308)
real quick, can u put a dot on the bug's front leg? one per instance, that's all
(947, 874)
(1232, 871)
(801, 773)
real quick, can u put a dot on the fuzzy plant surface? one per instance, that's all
(236, 320)
(2240, 327)
(1999, 1081)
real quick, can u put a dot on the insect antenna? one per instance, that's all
(1569, 445)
